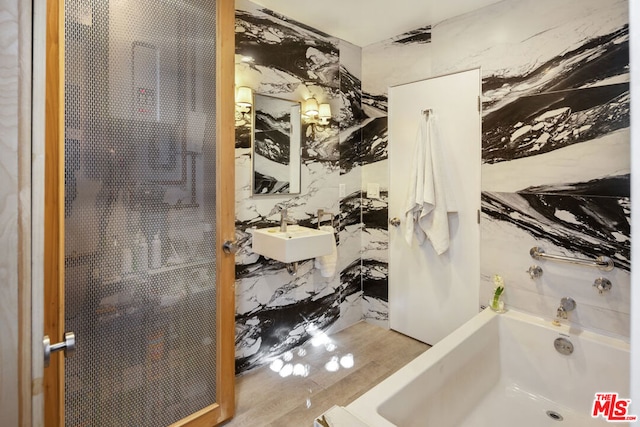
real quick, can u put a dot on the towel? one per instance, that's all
(327, 263)
(430, 196)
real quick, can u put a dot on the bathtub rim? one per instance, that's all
(366, 407)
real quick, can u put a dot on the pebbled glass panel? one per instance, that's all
(140, 288)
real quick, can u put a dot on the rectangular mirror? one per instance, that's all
(275, 145)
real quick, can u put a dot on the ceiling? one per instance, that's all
(363, 22)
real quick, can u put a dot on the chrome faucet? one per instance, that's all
(567, 304)
(285, 220)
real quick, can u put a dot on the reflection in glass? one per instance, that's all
(140, 222)
(276, 145)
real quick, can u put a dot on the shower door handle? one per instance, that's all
(68, 345)
(394, 221)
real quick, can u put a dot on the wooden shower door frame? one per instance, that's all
(225, 217)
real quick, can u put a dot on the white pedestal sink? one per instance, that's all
(296, 244)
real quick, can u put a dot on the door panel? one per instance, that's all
(430, 295)
(140, 166)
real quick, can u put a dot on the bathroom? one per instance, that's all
(344, 171)
(523, 203)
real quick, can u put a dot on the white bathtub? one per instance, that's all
(501, 370)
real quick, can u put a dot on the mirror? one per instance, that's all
(275, 145)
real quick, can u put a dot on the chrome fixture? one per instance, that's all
(230, 246)
(394, 221)
(602, 262)
(563, 346)
(285, 220)
(292, 268)
(321, 213)
(68, 346)
(567, 304)
(555, 416)
(534, 271)
(602, 285)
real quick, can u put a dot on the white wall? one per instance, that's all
(15, 152)
(634, 17)
(9, 105)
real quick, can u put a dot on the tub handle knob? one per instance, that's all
(534, 271)
(602, 285)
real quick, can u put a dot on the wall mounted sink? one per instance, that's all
(296, 244)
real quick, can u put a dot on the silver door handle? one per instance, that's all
(230, 246)
(394, 221)
(68, 345)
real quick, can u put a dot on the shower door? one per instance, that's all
(139, 205)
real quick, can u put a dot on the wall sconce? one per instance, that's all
(318, 116)
(244, 98)
(310, 108)
(324, 114)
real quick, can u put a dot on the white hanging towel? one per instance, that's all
(430, 194)
(327, 263)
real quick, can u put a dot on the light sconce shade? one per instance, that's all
(311, 107)
(324, 114)
(244, 97)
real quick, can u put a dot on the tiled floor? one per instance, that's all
(325, 372)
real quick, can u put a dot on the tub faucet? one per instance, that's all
(285, 220)
(567, 304)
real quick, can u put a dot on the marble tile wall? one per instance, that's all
(555, 161)
(274, 310)
(555, 142)
(555, 149)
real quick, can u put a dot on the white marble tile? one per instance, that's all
(377, 173)
(577, 163)
(375, 244)
(351, 58)
(272, 306)
(511, 38)
(505, 251)
(349, 248)
(411, 62)
(585, 316)
(350, 313)
(376, 312)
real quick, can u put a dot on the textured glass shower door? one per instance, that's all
(144, 276)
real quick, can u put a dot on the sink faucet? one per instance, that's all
(284, 219)
(567, 304)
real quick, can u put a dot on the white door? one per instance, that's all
(431, 295)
